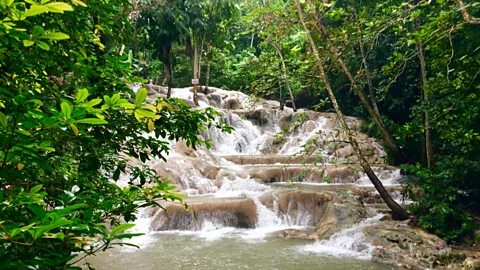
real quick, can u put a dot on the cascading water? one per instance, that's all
(229, 185)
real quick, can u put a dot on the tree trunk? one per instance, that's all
(195, 74)
(170, 75)
(207, 77)
(281, 94)
(369, 78)
(164, 74)
(397, 210)
(376, 118)
(284, 73)
(426, 117)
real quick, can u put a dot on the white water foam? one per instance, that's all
(142, 225)
(349, 242)
(241, 188)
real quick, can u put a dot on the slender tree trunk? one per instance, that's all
(397, 210)
(369, 78)
(281, 94)
(376, 118)
(426, 117)
(284, 73)
(164, 74)
(170, 75)
(207, 77)
(195, 74)
(251, 41)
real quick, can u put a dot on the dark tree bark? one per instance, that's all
(397, 210)
(376, 117)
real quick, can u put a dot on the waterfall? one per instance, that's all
(230, 187)
(349, 242)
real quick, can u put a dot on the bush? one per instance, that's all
(70, 126)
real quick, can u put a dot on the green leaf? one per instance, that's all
(80, 3)
(28, 43)
(128, 235)
(66, 109)
(141, 96)
(107, 99)
(36, 189)
(43, 45)
(3, 120)
(128, 106)
(82, 95)
(40, 230)
(70, 209)
(92, 121)
(37, 30)
(58, 7)
(55, 36)
(91, 103)
(145, 113)
(115, 98)
(35, 10)
(120, 228)
(37, 210)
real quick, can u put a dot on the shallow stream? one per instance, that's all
(184, 251)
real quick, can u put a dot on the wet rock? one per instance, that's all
(471, 264)
(342, 174)
(411, 248)
(237, 212)
(182, 148)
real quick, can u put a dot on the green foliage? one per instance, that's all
(71, 126)
(439, 201)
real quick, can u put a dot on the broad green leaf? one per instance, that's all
(80, 3)
(40, 230)
(37, 30)
(35, 10)
(36, 189)
(146, 113)
(120, 228)
(66, 109)
(37, 210)
(55, 36)
(91, 121)
(43, 45)
(74, 129)
(115, 98)
(107, 99)
(128, 106)
(127, 235)
(151, 127)
(141, 96)
(91, 103)
(70, 209)
(82, 95)
(58, 7)
(28, 43)
(3, 120)
(149, 107)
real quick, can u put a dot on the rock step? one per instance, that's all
(271, 159)
(344, 174)
(292, 159)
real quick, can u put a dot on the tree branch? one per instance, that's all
(466, 16)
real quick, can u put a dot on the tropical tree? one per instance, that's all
(71, 126)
